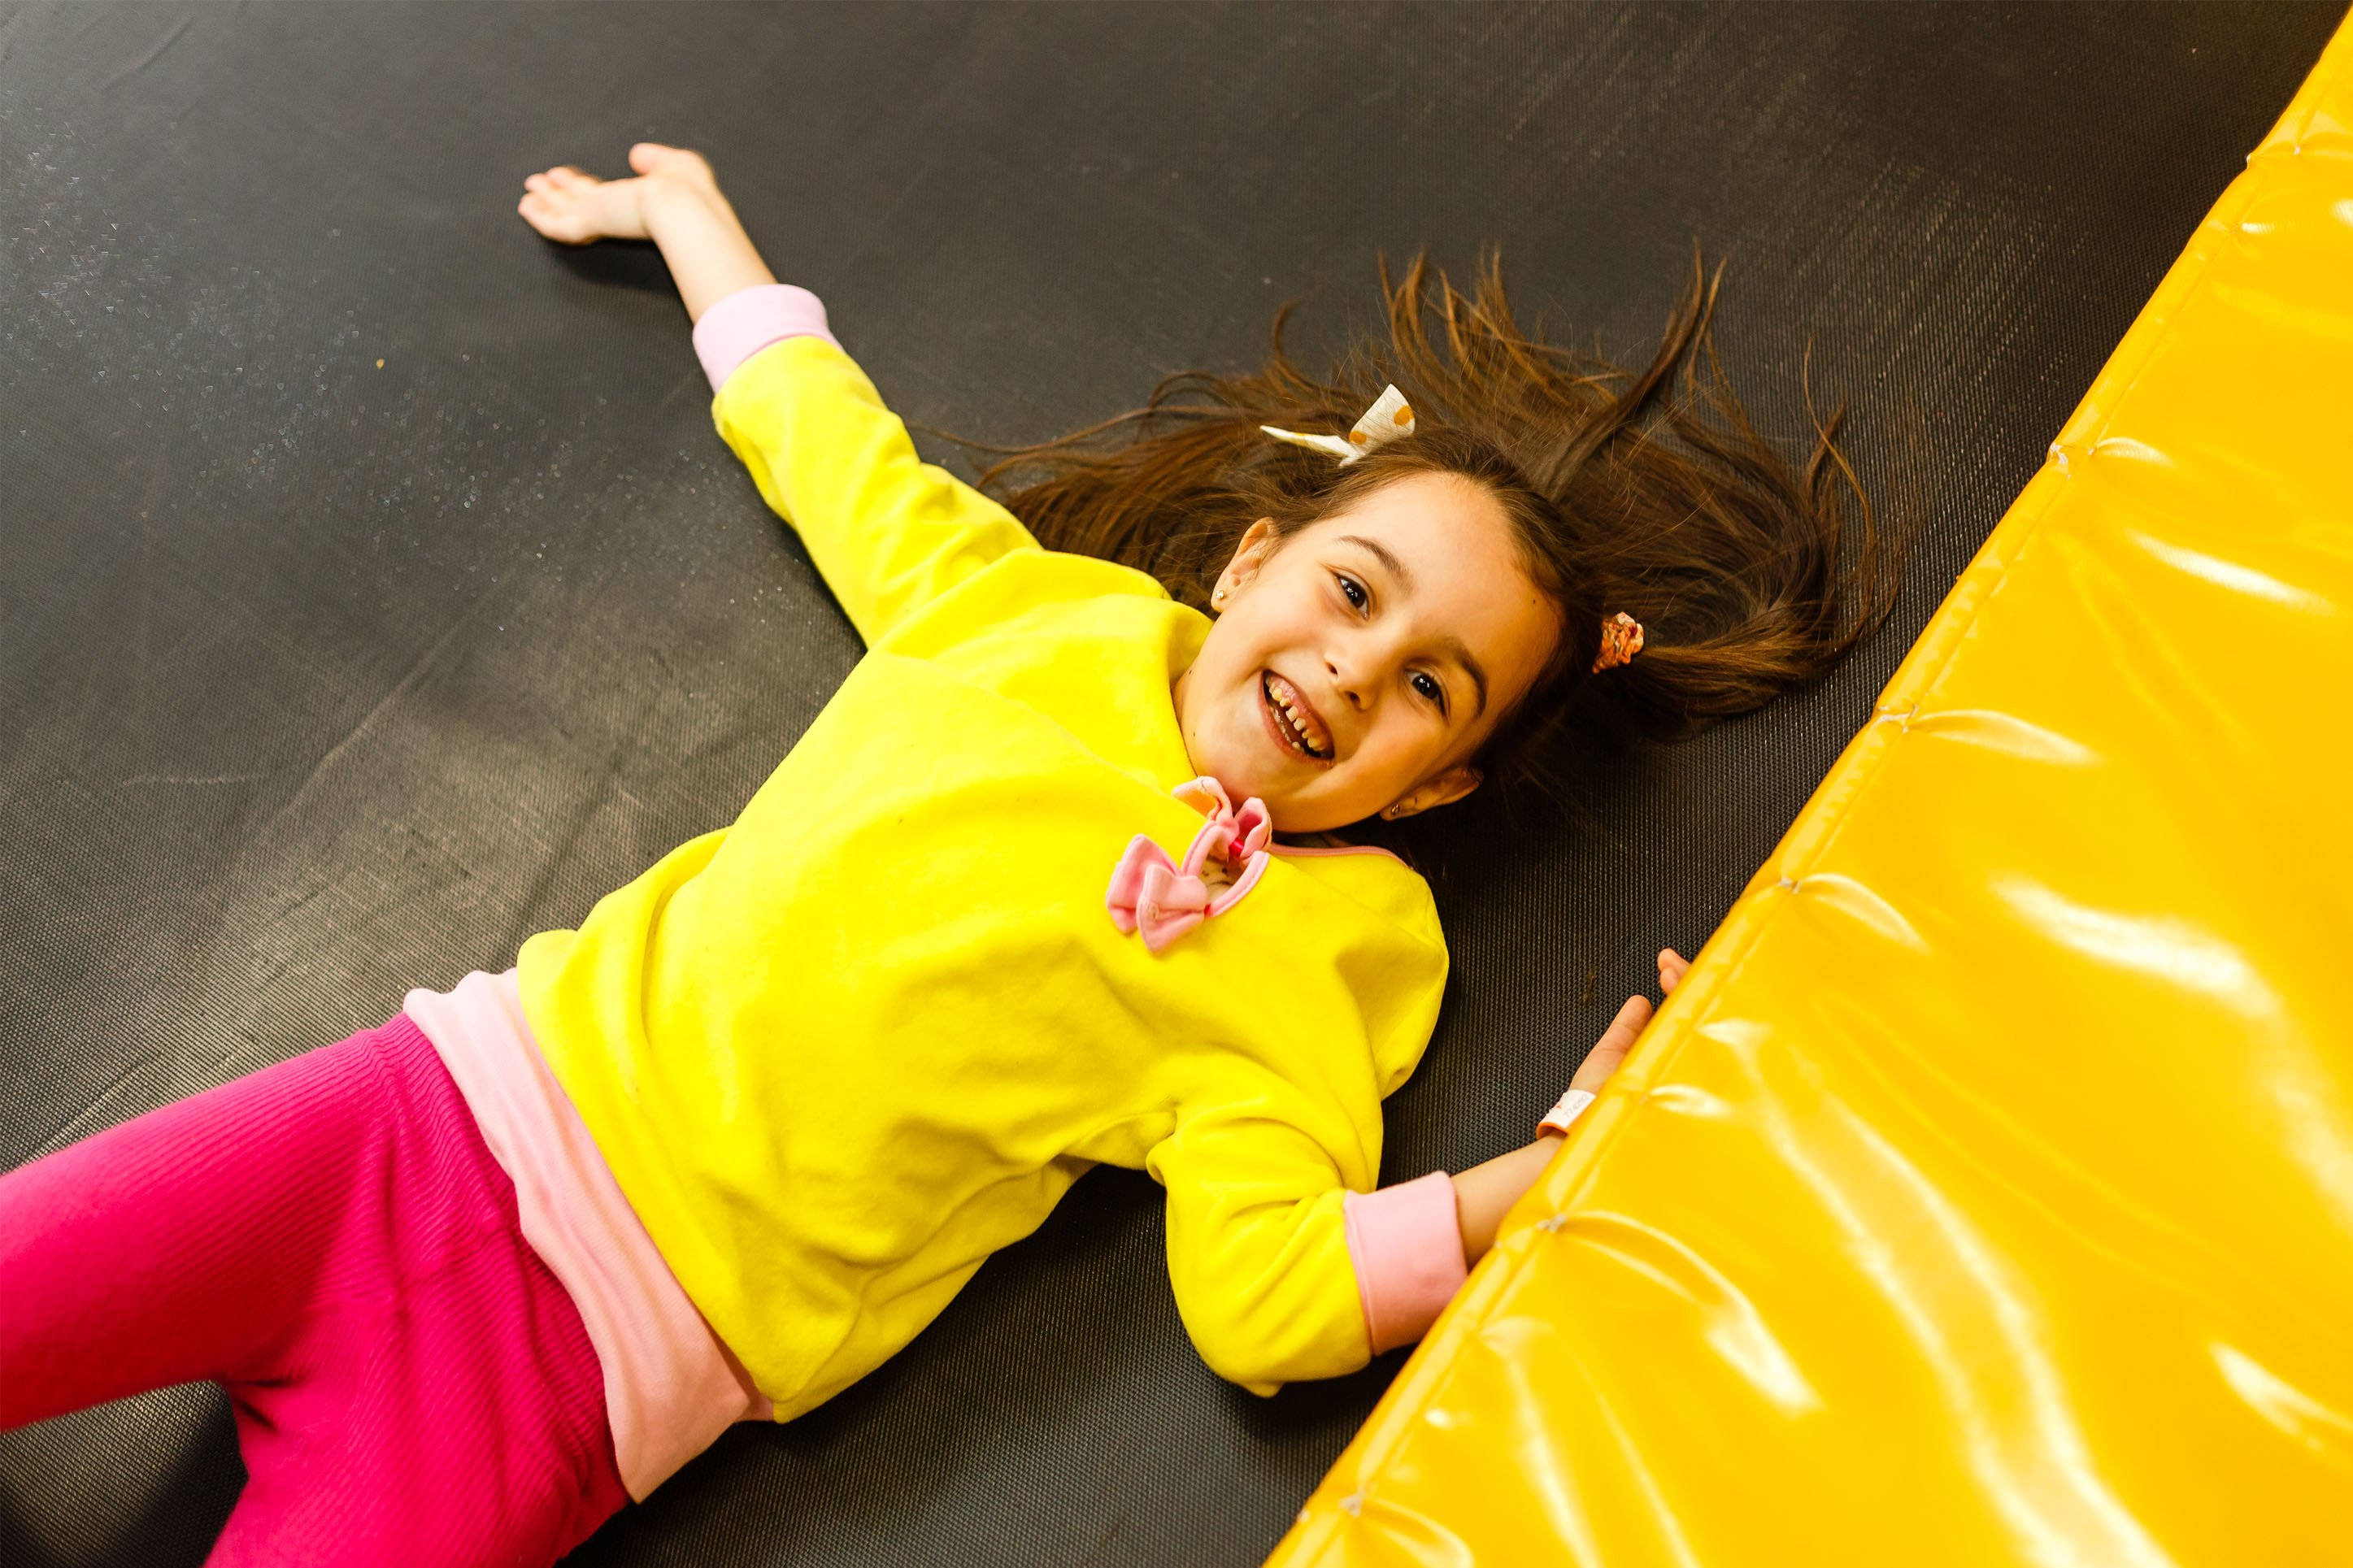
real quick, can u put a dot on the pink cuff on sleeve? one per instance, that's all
(1407, 1244)
(749, 320)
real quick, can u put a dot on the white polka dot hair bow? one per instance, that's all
(1388, 418)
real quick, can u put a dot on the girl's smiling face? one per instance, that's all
(1357, 665)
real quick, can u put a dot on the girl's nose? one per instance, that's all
(1354, 678)
(1344, 680)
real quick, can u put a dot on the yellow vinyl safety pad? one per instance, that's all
(1985, 1195)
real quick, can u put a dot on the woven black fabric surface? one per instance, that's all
(374, 591)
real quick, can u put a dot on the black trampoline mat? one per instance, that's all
(374, 591)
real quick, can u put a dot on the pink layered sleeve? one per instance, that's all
(1407, 1244)
(749, 320)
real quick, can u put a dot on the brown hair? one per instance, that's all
(1647, 492)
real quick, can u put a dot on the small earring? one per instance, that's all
(1395, 811)
(1216, 598)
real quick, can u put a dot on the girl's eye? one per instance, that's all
(1427, 685)
(1357, 597)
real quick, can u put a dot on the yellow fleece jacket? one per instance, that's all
(840, 1052)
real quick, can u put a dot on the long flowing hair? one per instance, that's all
(1646, 491)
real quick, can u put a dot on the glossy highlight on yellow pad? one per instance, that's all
(1985, 1194)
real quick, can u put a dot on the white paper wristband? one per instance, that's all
(1570, 1107)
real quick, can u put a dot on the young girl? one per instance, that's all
(1052, 881)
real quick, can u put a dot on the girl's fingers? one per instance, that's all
(1672, 968)
(1611, 1048)
(1624, 1028)
(550, 221)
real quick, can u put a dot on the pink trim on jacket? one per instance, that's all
(1407, 1244)
(1310, 851)
(670, 1387)
(749, 320)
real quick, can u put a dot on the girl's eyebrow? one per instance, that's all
(1385, 555)
(1451, 647)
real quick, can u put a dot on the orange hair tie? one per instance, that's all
(1621, 640)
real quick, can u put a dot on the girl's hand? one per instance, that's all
(574, 208)
(1618, 1039)
(674, 202)
(1484, 1193)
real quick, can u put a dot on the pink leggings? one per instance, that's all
(330, 1241)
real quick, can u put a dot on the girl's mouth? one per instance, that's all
(1296, 726)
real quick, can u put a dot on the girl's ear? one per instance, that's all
(1444, 790)
(1256, 543)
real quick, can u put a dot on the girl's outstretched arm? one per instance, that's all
(890, 532)
(1484, 1193)
(674, 201)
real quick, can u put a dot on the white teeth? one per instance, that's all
(1292, 720)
